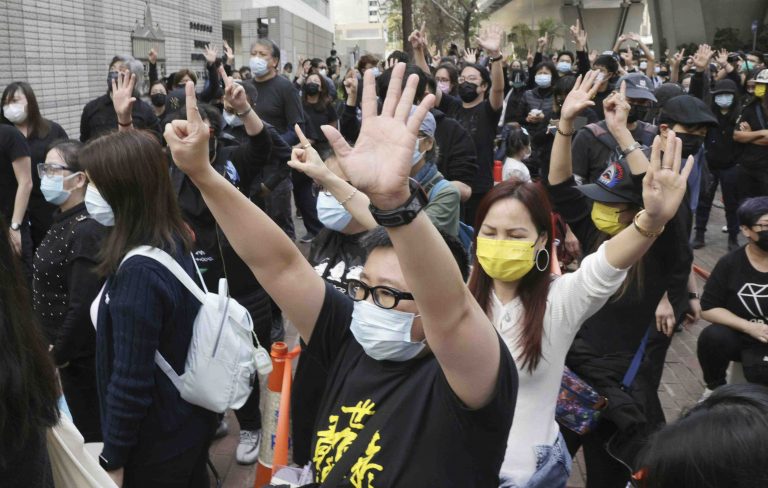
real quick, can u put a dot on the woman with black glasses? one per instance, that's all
(65, 284)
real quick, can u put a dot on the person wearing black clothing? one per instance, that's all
(722, 157)
(735, 302)
(99, 117)
(65, 283)
(40, 133)
(608, 340)
(609, 69)
(152, 437)
(751, 135)
(15, 187)
(244, 167)
(29, 403)
(373, 370)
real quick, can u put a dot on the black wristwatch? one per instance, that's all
(107, 465)
(404, 214)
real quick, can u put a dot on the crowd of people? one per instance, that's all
(482, 232)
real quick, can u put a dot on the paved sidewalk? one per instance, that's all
(681, 384)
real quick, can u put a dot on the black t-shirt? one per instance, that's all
(481, 121)
(318, 116)
(278, 103)
(99, 118)
(431, 440)
(738, 287)
(754, 156)
(13, 145)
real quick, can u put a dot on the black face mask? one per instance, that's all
(691, 144)
(158, 99)
(112, 76)
(638, 112)
(762, 240)
(468, 92)
(312, 88)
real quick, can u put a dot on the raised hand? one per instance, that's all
(664, 184)
(633, 36)
(722, 57)
(616, 109)
(380, 163)
(529, 58)
(580, 97)
(579, 36)
(490, 40)
(152, 56)
(122, 96)
(418, 38)
(229, 52)
(677, 58)
(542, 42)
(470, 55)
(702, 57)
(593, 54)
(210, 54)
(234, 93)
(306, 159)
(188, 139)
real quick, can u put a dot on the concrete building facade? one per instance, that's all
(360, 28)
(63, 47)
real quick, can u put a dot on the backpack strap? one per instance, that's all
(760, 116)
(602, 135)
(634, 367)
(175, 268)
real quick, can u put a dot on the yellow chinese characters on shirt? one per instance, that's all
(333, 442)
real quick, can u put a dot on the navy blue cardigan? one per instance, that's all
(144, 420)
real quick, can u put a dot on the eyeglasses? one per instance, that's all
(383, 296)
(470, 79)
(760, 227)
(51, 169)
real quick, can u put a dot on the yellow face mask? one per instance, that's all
(760, 89)
(606, 219)
(505, 260)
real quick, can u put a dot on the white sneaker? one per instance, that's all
(724, 230)
(705, 395)
(248, 448)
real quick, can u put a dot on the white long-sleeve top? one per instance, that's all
(572, 299)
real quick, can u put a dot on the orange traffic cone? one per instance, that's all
(283, 438)
(270, 414)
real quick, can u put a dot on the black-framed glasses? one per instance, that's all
(51, 169)
(383, 296)
(760, 227)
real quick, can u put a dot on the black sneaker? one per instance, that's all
(307, 238)
(698, 240)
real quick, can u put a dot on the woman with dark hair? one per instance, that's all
(158, 96)
(152, 437)
(20, 108)
(65, 283)
(734, 304)
(719, 442)
(539, 316)
(28, 388)
(518, 146)
(536, 108)
(607, 341)
(447, 79)
(317, 105)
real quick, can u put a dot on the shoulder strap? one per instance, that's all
(760, 115)
(175, 268)
(353, 453)
(634, 367)
(603, 136)
(437, 186)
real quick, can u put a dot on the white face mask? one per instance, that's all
(258, 66)
(53, 190)
(324, 72)
(417, 154)
(232, 120)
(643, 65)
(543, 80)
(331, 213)
(385, 335)
(16, 113)
(98, 208)
(724, 100)
(564, 67)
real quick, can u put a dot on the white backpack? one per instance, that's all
(220, 370)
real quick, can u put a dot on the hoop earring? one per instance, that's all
(541, 252)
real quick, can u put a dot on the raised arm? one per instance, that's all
(418, 40)
(379, 165)
(263, 246)
(490, 41)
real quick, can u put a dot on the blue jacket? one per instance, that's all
(144, 308)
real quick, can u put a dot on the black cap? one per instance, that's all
(638, 85)
(687, 110)
(724, 86)
(615, 185)
(666, 92)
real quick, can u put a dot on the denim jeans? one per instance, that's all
(553, 467)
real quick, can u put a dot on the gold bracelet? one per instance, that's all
(569, 134)
(354, 192)
(645, 232)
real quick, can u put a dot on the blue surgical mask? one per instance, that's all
(724, 100)
(564, 67)
(376, 71)
(385, 335)
(98, 208)
(331, 213)
(232, 120)
(544, 81)
(53, 190)
(417, 155)
(258, 66)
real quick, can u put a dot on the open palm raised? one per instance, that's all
(665, 182)
(380, 163)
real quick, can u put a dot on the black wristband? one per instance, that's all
(405, 213)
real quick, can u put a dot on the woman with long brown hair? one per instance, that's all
(151, 436)
(538, 316)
